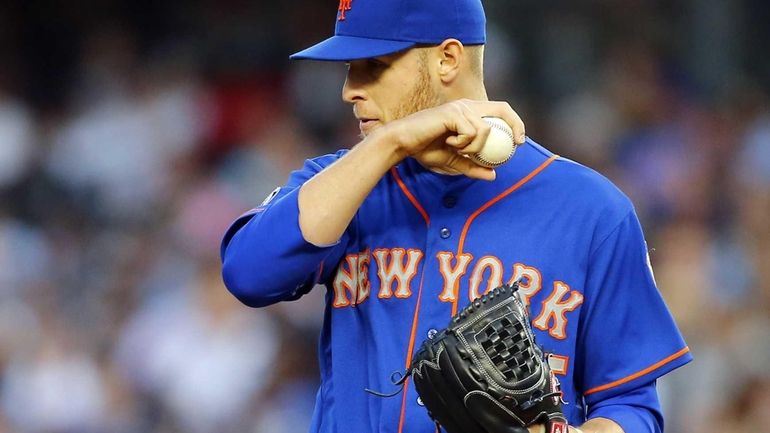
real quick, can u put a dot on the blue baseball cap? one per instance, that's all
(372, 28)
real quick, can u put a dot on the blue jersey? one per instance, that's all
(423, 245)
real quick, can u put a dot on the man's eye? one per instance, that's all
(377, 64)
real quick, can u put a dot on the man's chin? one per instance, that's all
(368, 127)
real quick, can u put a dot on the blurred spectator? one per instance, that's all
(20, 245)
(200, 351)
(51, 385)
(17, 138)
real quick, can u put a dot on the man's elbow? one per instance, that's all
(244, 285)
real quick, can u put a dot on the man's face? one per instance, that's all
(387, 88)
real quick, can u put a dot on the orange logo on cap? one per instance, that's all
(345, 5)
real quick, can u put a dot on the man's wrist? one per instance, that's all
(540, 428)
(388, 143)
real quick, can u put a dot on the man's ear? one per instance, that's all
(451, 54)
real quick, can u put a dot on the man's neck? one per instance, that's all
(474, 90)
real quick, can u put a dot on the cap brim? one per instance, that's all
(345, 48)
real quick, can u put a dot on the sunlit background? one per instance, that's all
(133, 132)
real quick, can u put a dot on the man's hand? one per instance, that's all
(440, 137)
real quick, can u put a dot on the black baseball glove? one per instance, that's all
(485, 374)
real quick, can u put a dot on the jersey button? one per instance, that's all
(445, 233)
(449, 201)
(432, 333)
(419, 401)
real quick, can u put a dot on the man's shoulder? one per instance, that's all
(311, 167)
(570, 183)
(325, 160)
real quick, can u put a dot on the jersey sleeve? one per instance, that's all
(627, 335)
(637, 410)
(265, 258)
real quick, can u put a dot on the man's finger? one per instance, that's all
(459, 141)
(457, 121)
(467, 167)
(504, 111)
(483, 129)
(513, 120)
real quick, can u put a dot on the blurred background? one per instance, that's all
(133, 132)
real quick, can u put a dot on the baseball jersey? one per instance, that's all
(423, 245)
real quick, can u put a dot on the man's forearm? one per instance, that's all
(598, 425)
(328, 201)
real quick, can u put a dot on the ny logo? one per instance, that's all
(345, 5)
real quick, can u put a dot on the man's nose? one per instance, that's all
(353, 89)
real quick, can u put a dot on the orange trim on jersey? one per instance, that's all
(352, 288)
(416, 317)
(524, 289)
(409, 350)
(482, 265)
(547, 314)
(488, 204)
(638, 373)
(409, 195)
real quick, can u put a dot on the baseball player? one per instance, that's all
(403, 230)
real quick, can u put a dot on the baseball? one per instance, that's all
(499, 147)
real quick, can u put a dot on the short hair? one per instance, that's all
(475, 55)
